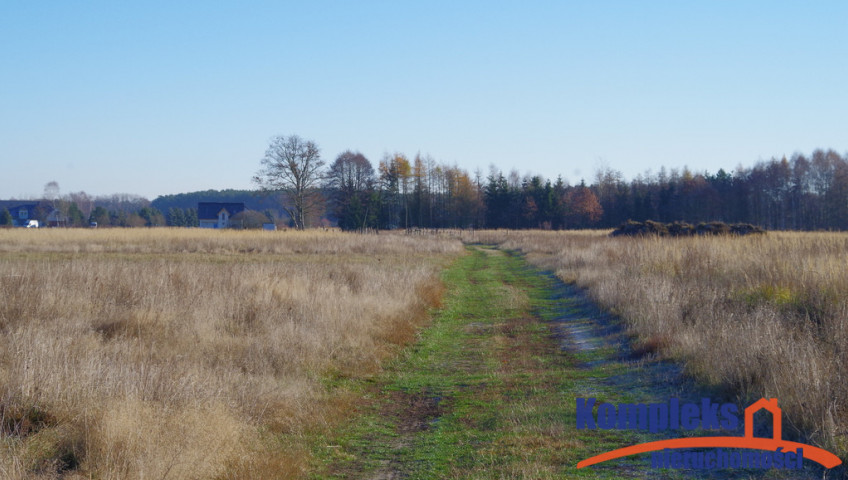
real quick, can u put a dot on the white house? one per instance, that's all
(217, 215)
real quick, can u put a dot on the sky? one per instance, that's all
(155, 98)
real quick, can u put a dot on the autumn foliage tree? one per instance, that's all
(582, 207)
(395, 172)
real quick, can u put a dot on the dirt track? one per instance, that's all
(489, 391)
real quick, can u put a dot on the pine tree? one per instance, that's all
(191, 217)
(6, 217)
(176, 217)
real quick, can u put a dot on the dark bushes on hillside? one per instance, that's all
(680, 229)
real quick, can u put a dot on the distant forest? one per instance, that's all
(797, 193)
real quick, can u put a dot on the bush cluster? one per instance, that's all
(682, 229)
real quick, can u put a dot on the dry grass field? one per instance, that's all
(162, 353)
(759, 315)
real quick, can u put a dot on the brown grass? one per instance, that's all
(186, 353)
(762, 316)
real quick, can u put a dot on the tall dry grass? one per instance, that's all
(761, 315)
(156, 354)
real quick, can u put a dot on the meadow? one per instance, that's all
(756, 316)
(185, 353)
(174, 353)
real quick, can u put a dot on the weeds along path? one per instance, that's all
(489, 390)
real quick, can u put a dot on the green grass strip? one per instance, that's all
(487, 392)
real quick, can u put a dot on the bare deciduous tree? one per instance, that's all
(351, 178)
(51, 191)
(292, 166)
(84, 202)
(350, 173)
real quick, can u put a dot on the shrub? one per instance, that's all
(682, 229)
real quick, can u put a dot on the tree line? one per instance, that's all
(798, 193)
(78, 209)
(297, 187)
(127, 210)
(189, 200)
(415, 193)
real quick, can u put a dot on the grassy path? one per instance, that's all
(489, 390)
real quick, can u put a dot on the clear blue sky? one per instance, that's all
(165, 97)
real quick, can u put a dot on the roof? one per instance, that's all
(210, 210)
(10, 204)
(21, 210)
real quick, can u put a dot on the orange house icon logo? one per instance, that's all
(776, 417)
(771, 446)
